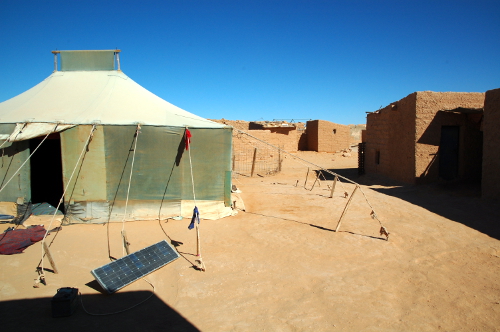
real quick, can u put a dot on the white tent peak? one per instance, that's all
(104, 97)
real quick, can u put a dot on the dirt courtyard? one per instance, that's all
(280, 266)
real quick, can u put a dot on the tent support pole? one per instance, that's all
(307, 175)
(49, 256)
(333, 185)
(125, 242)
(345, 209)
(316, 180)
(118, 60)
(253, 161)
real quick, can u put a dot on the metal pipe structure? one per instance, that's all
(55, 59)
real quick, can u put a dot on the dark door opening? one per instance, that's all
(46, 171)
(448, 152)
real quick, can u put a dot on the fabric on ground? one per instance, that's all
(44, 209)
(14, 242)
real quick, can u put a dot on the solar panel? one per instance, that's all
(128, 269)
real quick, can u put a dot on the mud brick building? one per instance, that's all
(491, 145)
(427, 137)
(287, 136)
(326, 136)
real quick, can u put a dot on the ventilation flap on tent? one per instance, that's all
(24, 131)
(87, 60)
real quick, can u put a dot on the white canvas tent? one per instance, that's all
(88, 91)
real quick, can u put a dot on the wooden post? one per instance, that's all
(199, 260)
(306, 177)
(49, 256)
(279, 160)
(125, 242)
(315, 180)
(253, 161)
(345, 209)
(333, 186)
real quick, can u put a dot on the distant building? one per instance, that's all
(326, 136)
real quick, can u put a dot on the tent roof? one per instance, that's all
(96, 97)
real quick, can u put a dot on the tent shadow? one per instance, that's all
(152, 315)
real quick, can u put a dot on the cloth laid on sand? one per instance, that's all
(15, 241)
(39, 209)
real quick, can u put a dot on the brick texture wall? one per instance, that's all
(287, 138)
(326, 136)
(428, 123)
(402, 139)
(491, 143)
(390, 140)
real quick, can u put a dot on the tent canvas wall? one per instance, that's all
(87, 93)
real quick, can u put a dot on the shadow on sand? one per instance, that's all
(152, 315)
(460, 202)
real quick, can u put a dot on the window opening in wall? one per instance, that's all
(335, 131)
(377, 157)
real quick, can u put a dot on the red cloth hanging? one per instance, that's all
(187, 138)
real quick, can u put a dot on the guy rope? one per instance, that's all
(41, 273)
(195, 220)
(383, 230)
(125, 247)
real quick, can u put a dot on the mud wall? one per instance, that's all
(390, 140)
(491, 142)
(290, 139)
(287, 140)
(326, 136)
(429, 119)
(402, 139)
(356, 131)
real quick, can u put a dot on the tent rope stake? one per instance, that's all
(345, 208)
(199, 260)
(124, 235)
(383, 230)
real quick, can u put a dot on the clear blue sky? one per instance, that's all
(264, 60)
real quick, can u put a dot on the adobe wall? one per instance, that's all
(326, 136)
(390, 140)
(356, 132)
(286, 138)
(491, 142)
(428, 123)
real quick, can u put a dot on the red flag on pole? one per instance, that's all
(187, 138)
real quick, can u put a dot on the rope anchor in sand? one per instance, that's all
(195, 220)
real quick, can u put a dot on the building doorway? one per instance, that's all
(46, 171)
(449, 152)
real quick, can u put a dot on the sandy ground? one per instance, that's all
(280, 266)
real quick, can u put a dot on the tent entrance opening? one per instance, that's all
(46, 171)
